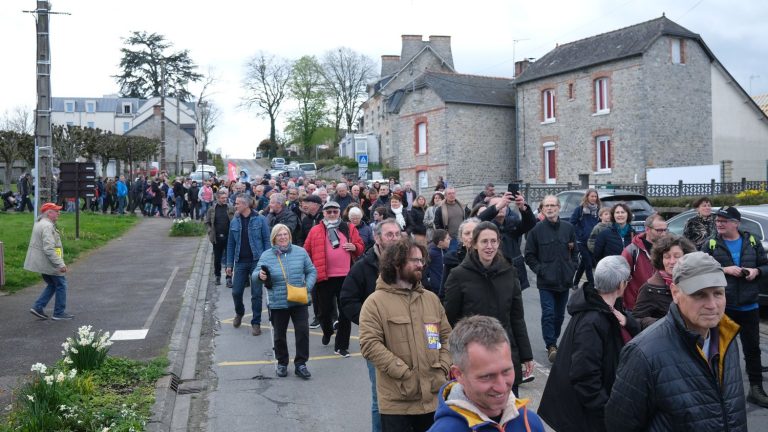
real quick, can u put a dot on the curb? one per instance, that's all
(182, 351)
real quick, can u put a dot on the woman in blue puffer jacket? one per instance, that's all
(287, 263)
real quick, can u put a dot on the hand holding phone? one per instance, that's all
(513, 188)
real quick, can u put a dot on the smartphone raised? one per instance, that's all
(513, 188)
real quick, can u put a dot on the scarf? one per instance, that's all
(622, 231)
(330, 230)
(283, 249)
(399, 216)
(666, 276)
(590, 209)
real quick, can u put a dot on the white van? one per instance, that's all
(309, 168)
(277, 163)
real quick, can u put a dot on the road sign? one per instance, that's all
(362, 160)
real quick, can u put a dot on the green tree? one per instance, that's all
(14, 145)
(67, 143)
(306, 86)
(136, 148)
(265, 84)
(346, 74)
(141, 68)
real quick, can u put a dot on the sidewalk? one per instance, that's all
(134, 282)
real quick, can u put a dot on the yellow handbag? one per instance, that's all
(296, 294)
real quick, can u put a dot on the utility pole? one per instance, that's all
(514, 43)
(162, 117)
(43, 139)
(178, 139)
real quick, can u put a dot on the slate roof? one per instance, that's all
(607, 47)
(470, 89)
(103, 104)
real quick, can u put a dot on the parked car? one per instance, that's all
(309, 168)
(754, 219)
(638, 203)
(277, 163)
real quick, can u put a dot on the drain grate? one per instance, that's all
(174, 382)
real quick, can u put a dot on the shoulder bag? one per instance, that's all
(296, 294)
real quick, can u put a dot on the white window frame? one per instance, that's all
(422, 177)
(603, 149)
(421, 133)
(90, 106)
(548, 101)
(129, 106)
(69, 106)
(549, 147)
(602, 84)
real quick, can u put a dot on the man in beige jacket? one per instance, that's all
(45, 255)
(404, 333)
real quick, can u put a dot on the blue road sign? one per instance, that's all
(362, 160)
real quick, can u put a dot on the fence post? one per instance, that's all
(526, 194)
(570, 185)
(743, 184)
(712, 188)
(679, 188)
(645, 187)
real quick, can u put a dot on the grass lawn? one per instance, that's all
(16, 229)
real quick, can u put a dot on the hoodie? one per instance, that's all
(457, 413)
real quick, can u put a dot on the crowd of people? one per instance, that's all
(415, 274)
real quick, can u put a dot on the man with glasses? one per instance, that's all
(359, 284)
(550, 252)
(404, 333)
(332, 246)
(638, 256)
(744, 262)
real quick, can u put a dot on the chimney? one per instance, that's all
(389, 64)
(442, 46)
(157, 111)
(412, 44)
(521, 66)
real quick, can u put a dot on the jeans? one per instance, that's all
(203, 209)
(585, 265)
(375, 417)
(407, 423)
(299, 315)
(121, 204)
(56, 285)
(219, 251)
(750, 341)
(179, 206)
(552, 313)
(240, 275)
(328, 292)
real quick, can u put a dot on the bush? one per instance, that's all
(391, 172)
(752, 197)
(42, 403)
(187, 228)
(88, 350)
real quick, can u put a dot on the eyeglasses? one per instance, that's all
(722, 221)
(660, 230)
(551, 205)
(329, 211)
(390, 235)
(417, 260)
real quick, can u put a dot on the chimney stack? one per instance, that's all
(412, 44)
(157, 111)
(389, 64)
(442, 46)
(521, 66)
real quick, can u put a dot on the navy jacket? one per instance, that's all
(609, 242)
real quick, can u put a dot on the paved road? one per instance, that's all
(134, 282)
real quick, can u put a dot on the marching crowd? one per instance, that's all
(436, 290)
(435, 287)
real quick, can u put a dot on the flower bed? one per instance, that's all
(187, 228)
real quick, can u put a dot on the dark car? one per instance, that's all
(639, 205)
(754, 219)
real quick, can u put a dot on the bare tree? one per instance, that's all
(265, 83)
(209, 112)
(346, 73)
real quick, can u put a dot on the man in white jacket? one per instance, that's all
(45, 255)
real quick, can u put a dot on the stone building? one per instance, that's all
(651, 95)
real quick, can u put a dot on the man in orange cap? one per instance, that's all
(45, 255)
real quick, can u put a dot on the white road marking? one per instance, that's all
(123, 335)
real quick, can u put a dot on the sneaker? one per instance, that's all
(335, 325)
(302, 371)
(63, 317)
(256, 329)
(757, 395)
(237, 321)
(326, 338)
(527, 378)
(282, 371)
(552, 353)
(342, 352)
(218, 280)
(38, 313)
(314, 324)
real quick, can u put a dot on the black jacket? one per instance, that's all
(451, 260)
(359, 283)
(663, 382)
(740, 291)
(550, 252)
(609, 242)
(417, 216)
(472, 289)
(582, 377)
(512, 230)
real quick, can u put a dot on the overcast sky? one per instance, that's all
(222, 35)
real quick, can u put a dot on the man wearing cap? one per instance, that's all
(744, 262)
(332, 245)
(45, 255)
(683, 373)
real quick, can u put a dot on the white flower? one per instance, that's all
(31, 398)
(68, 360)
(72, 373)
(73, 350)
(60, 377)
(39, 367)
(49, 379)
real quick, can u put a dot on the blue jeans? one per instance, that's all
(241, 274)
(179, 206)
(203, 209)
(121, 204)
(56, 285)
(375, 417)
(552, 313)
